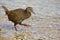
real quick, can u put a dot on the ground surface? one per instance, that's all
(45, 24)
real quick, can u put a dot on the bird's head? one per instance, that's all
(30, 9)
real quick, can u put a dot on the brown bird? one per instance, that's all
(18, 15)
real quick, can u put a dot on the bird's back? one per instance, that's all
(16, 15)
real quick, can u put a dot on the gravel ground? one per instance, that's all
(45, 24)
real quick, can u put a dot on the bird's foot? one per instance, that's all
(16, 29)
(26, 25)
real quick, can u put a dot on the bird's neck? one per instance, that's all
(27, 14)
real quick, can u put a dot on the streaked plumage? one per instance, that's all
(18, 15)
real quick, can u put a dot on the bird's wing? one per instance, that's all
(16, 15)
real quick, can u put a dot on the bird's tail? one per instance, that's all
(5, 8)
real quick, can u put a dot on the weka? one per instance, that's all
(18, 15)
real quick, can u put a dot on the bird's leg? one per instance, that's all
(0, 29)
(26, 25)
(15, 27)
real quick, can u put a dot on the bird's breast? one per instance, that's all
(27, 15)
